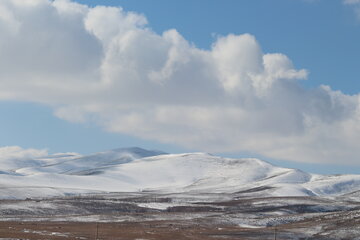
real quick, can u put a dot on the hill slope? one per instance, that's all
(136, 169)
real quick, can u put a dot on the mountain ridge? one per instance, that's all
(137, 169)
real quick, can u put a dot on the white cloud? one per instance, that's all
(104, 65)
(355, 4)
(351, 1)
(15, 152)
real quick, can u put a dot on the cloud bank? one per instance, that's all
(106, 66)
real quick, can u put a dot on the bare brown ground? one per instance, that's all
(154, 230)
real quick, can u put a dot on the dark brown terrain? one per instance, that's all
(150, 216)
(140, 230)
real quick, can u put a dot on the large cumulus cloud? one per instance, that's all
(107, 66)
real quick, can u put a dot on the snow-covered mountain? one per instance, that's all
(136, 169)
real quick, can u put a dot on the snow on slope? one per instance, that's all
(92, 164)
(135, 169)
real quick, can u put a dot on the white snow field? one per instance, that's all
(136, 169)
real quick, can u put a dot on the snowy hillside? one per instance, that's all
(136, 169)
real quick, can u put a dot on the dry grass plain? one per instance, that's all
(130, 216)
(154, 230)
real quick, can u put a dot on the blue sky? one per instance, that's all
(320, 36)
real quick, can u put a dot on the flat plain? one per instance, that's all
(191, 215)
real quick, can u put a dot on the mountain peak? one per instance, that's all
(140, 152)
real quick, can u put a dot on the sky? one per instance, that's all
(278, 80)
